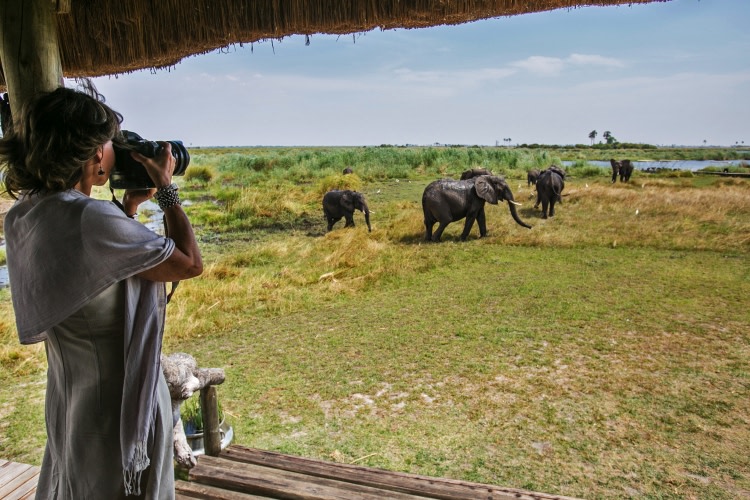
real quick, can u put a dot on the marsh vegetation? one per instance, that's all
(603, 353)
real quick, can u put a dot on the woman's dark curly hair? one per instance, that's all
(58, 132)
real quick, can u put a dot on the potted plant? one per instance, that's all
(192, 422)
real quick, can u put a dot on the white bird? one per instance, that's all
(636, 211)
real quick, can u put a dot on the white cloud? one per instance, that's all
(548, 66)
(594, 60)
(553, 66)
(457, 78)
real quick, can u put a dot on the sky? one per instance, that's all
(674, 73)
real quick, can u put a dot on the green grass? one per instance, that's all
(603, 353)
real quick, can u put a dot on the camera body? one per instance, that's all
(131, 174)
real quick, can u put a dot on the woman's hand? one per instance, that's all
(133, 198)
(161, 167)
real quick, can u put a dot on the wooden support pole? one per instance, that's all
(210, 413)
(29, 49)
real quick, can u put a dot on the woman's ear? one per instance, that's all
(98, 156)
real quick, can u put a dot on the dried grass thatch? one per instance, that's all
(104, 37)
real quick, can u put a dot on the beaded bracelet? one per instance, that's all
(167, 196)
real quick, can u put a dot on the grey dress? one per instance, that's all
(83, 458)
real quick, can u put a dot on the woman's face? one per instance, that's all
(103, 162)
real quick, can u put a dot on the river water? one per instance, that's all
(691, 165)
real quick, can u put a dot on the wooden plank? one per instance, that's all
(185, 490)
(19, 484)
(277, 483)
(25, 491)
(431, 487)
(12, 469)
(9, 469)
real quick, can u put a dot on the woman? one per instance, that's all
(88, 280)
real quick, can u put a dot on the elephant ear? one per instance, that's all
(485, 189)
(347, 200)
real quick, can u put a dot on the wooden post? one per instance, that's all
(210, 413)
(29, 49)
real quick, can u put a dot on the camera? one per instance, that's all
(131, 174)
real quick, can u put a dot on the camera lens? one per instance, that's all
(181, 156)
(131, 174)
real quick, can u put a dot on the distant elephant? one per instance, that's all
(531, 176)
(626, 170)
(549, 187)
(552, 168)
(338, 204)
(447, 200)
(623, 168)
(615, 169)
(348, 170)
(474, 172)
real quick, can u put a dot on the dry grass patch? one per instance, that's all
(659, 214)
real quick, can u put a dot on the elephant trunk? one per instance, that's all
(367, 216)
(513, 212)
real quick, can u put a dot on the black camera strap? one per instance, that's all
(166, 233)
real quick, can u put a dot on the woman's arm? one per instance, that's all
(185, 261)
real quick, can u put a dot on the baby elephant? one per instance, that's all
(531, 176)
(341, 204)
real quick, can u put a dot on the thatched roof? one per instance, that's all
(105, 37)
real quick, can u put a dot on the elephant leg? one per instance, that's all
(439, 233)
(429, 222)
(467, 226)
(428, 230)
(614, 177)
(545, 204)
(349, 220)
(552, 208)
(332, 221)
(482, 223)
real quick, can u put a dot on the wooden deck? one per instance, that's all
(17, 481)
(246, 473)
(241, 473)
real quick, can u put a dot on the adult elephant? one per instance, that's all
(626, 170)
(615, 169)
(622, 168)
(341, 204)
(532, 176)
(447, 200)
(549, 187)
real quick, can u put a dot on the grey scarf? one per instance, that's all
(63, 250)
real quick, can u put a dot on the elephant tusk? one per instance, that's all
(515, 203)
